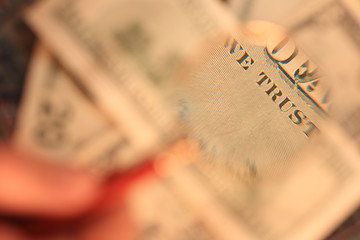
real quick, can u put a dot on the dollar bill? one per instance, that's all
(251, 107)
(264, 104)
(176, 220)
(328, 30)
(253, 104)
(316, 193)
(57, 121)
(335, 26)
(128, 50)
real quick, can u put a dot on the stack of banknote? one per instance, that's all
(249, 109)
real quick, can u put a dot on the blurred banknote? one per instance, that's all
(124, 53)
(263, 105)
(57, 121)
(335, 27)
(329, 30)
(176, 220)
(319, 189)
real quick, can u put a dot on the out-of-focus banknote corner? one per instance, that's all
(59, 122)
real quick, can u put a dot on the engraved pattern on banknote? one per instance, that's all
(66, 13)
(137, 42)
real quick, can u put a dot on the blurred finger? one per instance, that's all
(30, 187)
(8, 232)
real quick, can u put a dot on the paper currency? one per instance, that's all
(318, 190)
(305, 203)
(335, 26)
(58, 122)
(242, 103)
(253, 108)
(125, 57)
(159, 214)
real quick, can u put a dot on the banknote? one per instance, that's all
(271, 168)
(317, 192)
(57, 121)
(335, 26)
(175, 221)
(268, 168)
(253, 104)
(125, 52)
(330, 30)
